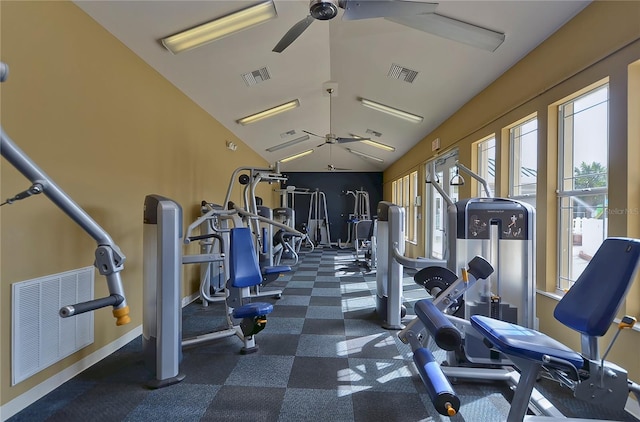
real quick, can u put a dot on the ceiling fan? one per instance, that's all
(415, 14)
(331, 138)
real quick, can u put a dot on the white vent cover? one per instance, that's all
(39, 336)
(256, 76)
(402, 73)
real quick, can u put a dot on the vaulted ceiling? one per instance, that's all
(354, 57)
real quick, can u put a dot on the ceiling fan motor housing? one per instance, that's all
(323, 9)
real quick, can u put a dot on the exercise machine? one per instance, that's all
(390, 264)
(109, 258)
(163, 258)
(589, 307)
(318, 221)
(501, 230)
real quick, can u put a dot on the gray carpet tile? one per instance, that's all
(322, 346)
(305, 405)
(258, 370)
(189, 402)
(324, 312)
(243, 404)
(324, 326)
(327, 373)
(325, 301)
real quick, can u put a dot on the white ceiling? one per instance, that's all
(356, 55)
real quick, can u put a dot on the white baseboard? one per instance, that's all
(25, 399)
(188, 299)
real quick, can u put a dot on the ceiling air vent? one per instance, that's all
(288, 133)
(256, 76)
(402, 73)
(374, 133)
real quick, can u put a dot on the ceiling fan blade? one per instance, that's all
(453, 29)
(363, 9)
(324, 143)
(347, 140)
(311, 133)
(293, 33)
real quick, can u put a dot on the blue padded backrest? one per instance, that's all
(244, 270)
(590, 306)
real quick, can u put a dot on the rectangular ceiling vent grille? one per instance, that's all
(256, 76)
(288, 133)
(374, 133)
(402, 73)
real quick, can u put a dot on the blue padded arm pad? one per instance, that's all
(276, 269)
(253, 309)
(525, 343)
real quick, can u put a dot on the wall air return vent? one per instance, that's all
(402, 73)
(256, 76)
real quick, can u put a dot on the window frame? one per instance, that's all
(564, 276)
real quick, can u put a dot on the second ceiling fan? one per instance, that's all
(330, 138)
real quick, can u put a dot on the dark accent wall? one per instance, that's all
(339, 205)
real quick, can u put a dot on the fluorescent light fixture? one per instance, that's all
(288, 144)
(374, 143)
(269, 113)
(293, 157)
(362, 154)
(392, 111)
(221, 27)
(378, 145)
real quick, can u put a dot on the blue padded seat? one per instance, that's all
(589, 307)
(514, 340)
(276, 269)
(253, 309)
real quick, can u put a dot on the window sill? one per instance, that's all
(556, 296)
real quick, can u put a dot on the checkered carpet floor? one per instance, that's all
(323, 356)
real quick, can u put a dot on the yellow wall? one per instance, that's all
(108, 130)
(603, 41)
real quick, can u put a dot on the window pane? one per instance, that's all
(583, 138)
(586, 141)
(583, 224)
(414, 207)
(487, 165)
(524, 159)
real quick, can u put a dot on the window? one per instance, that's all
(583, 128)
(523, 165)
(405, 205)
(487, 165)
(403, 192)
(413, 207)
(436, 207)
